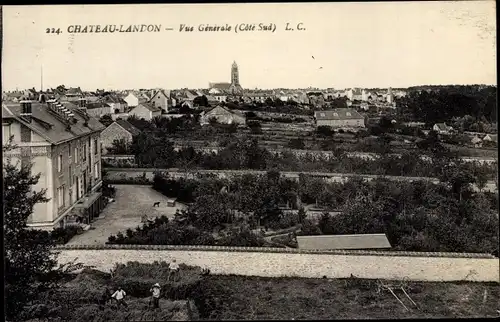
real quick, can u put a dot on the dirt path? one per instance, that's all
(131, 202)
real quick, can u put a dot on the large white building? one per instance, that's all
(63, 144)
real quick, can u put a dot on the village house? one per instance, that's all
(220, 98)
(63, 144)
(99, 109)
(118, 130)
(476, 141)
(118, 104)
(354, 94)
(162, 100)
(442, 128)
(134, 98)
(491, 139)
(223, 116)
(145, 111)
(339, 118)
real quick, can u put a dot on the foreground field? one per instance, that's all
(294, 298)
(246, 298)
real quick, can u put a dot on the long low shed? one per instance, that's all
(357, 241)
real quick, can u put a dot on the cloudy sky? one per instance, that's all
(353, 44)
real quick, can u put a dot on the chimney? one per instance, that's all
(26, 111)
(82, 103)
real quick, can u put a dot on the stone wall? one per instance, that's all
(284, 262)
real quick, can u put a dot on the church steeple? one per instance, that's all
(235, 77)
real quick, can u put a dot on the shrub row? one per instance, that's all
(61, 236)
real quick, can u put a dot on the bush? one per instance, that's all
(137, 278)
(324, 131)
(130, 180)
(63, 235)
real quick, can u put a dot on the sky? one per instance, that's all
(343, 45)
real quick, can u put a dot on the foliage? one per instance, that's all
(435, 105)
(296, 144)
(64, 235)
(106, 120)
(27, 252)
(324, 131)
(416, 217)
(120, 146)
(80, 298)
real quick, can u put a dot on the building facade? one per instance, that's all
(223, 116)
(340, 118)
(145, 111)
(63, 145)
(118, 130)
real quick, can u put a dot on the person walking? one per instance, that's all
(174, 270)
(155, 292)
(119, 296)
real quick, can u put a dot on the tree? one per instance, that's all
(324, 131)
(106, 120)
(119, 146)
(255, 127)
(27, 253)
(201, 101)
(296, 143)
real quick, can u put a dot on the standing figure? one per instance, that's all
(155, 293)
(174, 270)
(119, 296)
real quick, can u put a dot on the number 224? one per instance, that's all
(53, 31)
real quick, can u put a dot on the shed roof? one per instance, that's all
(357, 241)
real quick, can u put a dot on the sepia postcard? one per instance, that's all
(250, 161)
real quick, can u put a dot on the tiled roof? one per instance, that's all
(338, 114)
(127, 126)
(150, 107)
(160, 92)
(358, 241)
(494, 137)
(223, 86)
(443, 127)
(220, 110)
(51, 127)
(97, 105)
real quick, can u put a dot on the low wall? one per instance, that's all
(290, 262)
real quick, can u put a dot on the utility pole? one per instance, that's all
(41, 78)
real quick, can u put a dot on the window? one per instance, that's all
(348, 113)
(25, 133)
(96, 146)
(6, 132)
(322, 114)
(96, 170)
(70, 174)
(69, 152)
(25, 161)
(84, 156)
(60, 197)
(76, 154)
(59, 163)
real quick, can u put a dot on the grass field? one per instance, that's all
(246, 298)
(299, 298)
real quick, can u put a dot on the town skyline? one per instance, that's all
(396, 45)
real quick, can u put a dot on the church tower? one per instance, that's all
(235, 87)
(235, 75)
